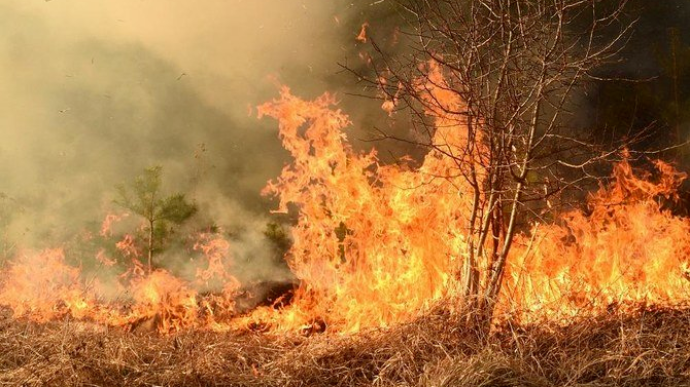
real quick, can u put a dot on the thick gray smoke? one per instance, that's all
(93, 92)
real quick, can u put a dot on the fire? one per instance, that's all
(362, 36)
(162, 296)
(106, 226)
(376, 245)
(43, 286)
(625, 249)
(373, 244)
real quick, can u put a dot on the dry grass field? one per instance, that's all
(647, 347)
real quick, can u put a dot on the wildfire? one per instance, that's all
(362, 36)
(625, 249)
(375, 245)
(44, 287)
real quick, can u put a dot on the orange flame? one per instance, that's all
(362, 36)
(626, 249)
(43, 286)
(374, 245)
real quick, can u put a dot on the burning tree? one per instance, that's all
(490, 84)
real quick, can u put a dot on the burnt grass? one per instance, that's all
(650, 346)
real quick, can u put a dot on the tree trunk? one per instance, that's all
(150, 247)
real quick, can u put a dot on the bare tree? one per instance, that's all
(518, 65)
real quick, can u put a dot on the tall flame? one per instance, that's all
(368, 244)
(374, 245)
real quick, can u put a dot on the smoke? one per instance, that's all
(94, 92)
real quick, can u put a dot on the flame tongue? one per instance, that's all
(373, 244)
(627, 250)
(44, 287)
(376, 245)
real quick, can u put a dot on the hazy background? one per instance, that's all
(92, 92)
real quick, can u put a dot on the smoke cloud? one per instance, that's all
(93, 92)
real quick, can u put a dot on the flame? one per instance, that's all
(373, 244)
(163, 296)
(107, 224)
(376, 245)
(44, 287)
(624, 249)
(362, 36)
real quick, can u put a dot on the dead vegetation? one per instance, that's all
(648, 347)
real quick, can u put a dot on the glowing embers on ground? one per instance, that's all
(374, 245)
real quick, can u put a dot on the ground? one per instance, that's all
(650, 346)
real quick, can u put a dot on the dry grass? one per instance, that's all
(649, 347)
